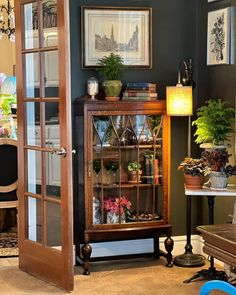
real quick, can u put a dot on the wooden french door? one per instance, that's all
(44, 133)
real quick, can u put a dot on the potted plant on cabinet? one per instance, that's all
(194, 171)
(134, 171)
(219, 171)
(111, 68)
(214, 123)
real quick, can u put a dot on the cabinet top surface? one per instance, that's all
(131, 106)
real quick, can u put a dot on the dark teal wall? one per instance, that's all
(218, 81)
(174, 39)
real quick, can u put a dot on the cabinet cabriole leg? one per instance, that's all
(169, 244)
(86, 251)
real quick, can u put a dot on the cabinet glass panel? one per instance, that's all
(51, 78)
(33, 123)
(34, 220)
(31, 25)
(127, 159)
(31, 75)
(50, 23)
(53, 225)
(34, 177)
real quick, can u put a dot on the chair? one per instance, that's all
(8, 173)
(217, 285)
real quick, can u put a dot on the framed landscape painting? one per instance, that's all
(121, 30)
(218, 37)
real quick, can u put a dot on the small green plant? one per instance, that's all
(134, 166)
(111, 66)
(214, 122)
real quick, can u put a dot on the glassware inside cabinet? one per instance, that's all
(127, 161)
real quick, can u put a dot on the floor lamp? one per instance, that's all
(179, 100)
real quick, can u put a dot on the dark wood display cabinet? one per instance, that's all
(111, 202)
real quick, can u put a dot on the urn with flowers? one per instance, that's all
(116, 209)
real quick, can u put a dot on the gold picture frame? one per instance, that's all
(123, 30)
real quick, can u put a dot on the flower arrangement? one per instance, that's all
(217, 160)
(117, 205)
(192, 166)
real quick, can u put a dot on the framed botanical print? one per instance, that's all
(123, 30)
(218, 37)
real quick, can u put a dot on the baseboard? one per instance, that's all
(144, 246)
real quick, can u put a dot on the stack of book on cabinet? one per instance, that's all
(140, 91)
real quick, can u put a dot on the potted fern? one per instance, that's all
(214, 123)
(111, 67)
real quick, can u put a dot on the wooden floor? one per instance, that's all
(134, 277)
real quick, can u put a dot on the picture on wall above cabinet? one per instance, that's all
(218, 37)
(124, 31)
(212, 0)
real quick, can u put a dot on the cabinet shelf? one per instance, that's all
(126, 185)
(125, 147)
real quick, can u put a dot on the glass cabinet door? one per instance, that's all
(127, 169)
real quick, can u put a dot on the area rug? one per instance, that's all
(8, 245)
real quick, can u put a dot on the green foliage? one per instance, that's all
(111, 66)
(134, 166)
(214, 122)
(7, 100)
(193, 166)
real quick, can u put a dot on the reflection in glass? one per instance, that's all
(51, 79)
(107, 164)
(50, 23)
(34, 221)
(33, 123)
(34, 171)
(31, 75)
(52, 130)
(97, 168)
(53, 225)
(31, 25)
(114, 167)
(53, 175)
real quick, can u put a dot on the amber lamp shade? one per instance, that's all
(179, 100)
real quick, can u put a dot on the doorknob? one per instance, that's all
(62, 152)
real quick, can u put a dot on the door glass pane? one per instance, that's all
(50, 23)
(34, 221)
(34, 171)
(33, 123)
(52, 135)
(51, 73)
(31, 25)
(31, 75)
(53, 224)
(53, 175)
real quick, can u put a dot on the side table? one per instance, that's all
(188, 258)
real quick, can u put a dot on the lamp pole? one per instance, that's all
(180, 99)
